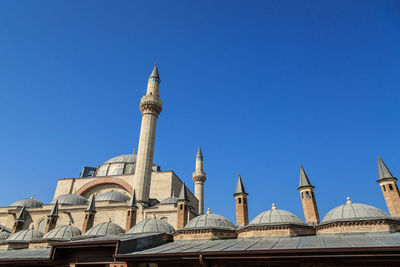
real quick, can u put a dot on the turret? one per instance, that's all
(131, 212)
(150, 106)
(199, 177)
(183, 208)
(51, 219)
(242, 213)
(19, 221)
(389, 188)
(308, 200)
(90, 212)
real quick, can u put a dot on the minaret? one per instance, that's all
(19, 221)
(242, 213)
(308, 201)
(183, 208)
(89, 215)
(150, 106)
(389, 188)
(199, 177)
(51, 219)
(131, 213)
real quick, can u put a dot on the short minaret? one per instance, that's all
(89, 215)
(131, 212)
(308, 201)
(19, 221)
(51, 219)
(150, 106)
(389, 188)
(199, 177)
(242, 213)
(183, 208)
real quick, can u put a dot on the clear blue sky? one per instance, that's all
(262, 86)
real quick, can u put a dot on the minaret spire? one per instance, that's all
(242, 210)
(182, 212)
(150, 106)
(199, 177)
(308, 200)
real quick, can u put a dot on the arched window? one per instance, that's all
(390, 187)
(384, 188)
(307, 195)
(239, 200)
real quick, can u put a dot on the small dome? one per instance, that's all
(128, 158)
(4, 235)
(28, 202)
(113, 196)
(354, 212)
(276, 217)
(104, 229)
(120, 165)
(26, 235)
(70, 199)
(63, 232)
(153, 225)
(209, 221)
(170, 200)
(4, 229)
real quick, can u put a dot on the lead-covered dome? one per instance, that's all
(70, 199)
(28, 203)
(105, 229)
(4, 235)
(152, 225)
(26, 235)
(354, 212)
(209, 221)
(170, 200)
(63, 232)
(276, 216)
(112, 196)
(123, 164)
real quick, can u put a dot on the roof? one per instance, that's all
(4, 235)
(199, 155)
(54, 210)
(132, 203)
(114, 196)
(304, 181)
(383, 239)
(239, 186)
(154, 73)
(170, 200)
(183, 194)
(32, 253)
(152, 225)
(354, 212)
(104, 229)
(63, 232)
(92, 204)
(26, 235)
(276, 217)
(383, 171)
(123, 158)
(28, 202)
(209, 221)
(70, 199)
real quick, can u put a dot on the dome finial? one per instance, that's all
(273, 206)
(69, 223)
(155, 216)
(109, 219)
(208, 211)
(348, 200)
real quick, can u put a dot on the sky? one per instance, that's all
(261, 86)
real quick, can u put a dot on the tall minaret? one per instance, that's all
(150, 106)
(308, 200)
(199, 177)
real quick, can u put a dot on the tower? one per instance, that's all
(19, 221)
(242, 213)
(150, 106)
(307, 196)
(183, 206)
(389, 188)
(199, 177)
(89, 215)
(51, 219)
(131, 213)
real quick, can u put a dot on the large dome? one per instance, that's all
(152, 225)
(276, 217)
(104, 229)
(113, 196)
(28, 203)
(209, 221)
(354, 212)
(70, 199)
(123, 164)
(63, 232)
(26, 235)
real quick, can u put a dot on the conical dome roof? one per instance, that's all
(28, 203)
(63, 232)
(152, 225)
(4, 235)
(114, 196)
(104, 229)
(209, 221)
(70, 199)
(26, 235)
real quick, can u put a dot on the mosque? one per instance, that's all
(129, 212)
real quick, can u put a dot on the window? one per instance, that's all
(302, 194)
(307, 195)
(239, 200)
(244, 201)
(390, 187)
(312, 194)
(181, 207)
(383, 187)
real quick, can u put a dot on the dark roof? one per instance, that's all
(183, 194)
(21, 214)
(54, 210)
(28, 202)
(32, 253)
(199, 155)
(132, 202)
(239, 186)
(92, 204)
(383, 171)
(304, 181)
(154, 73)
